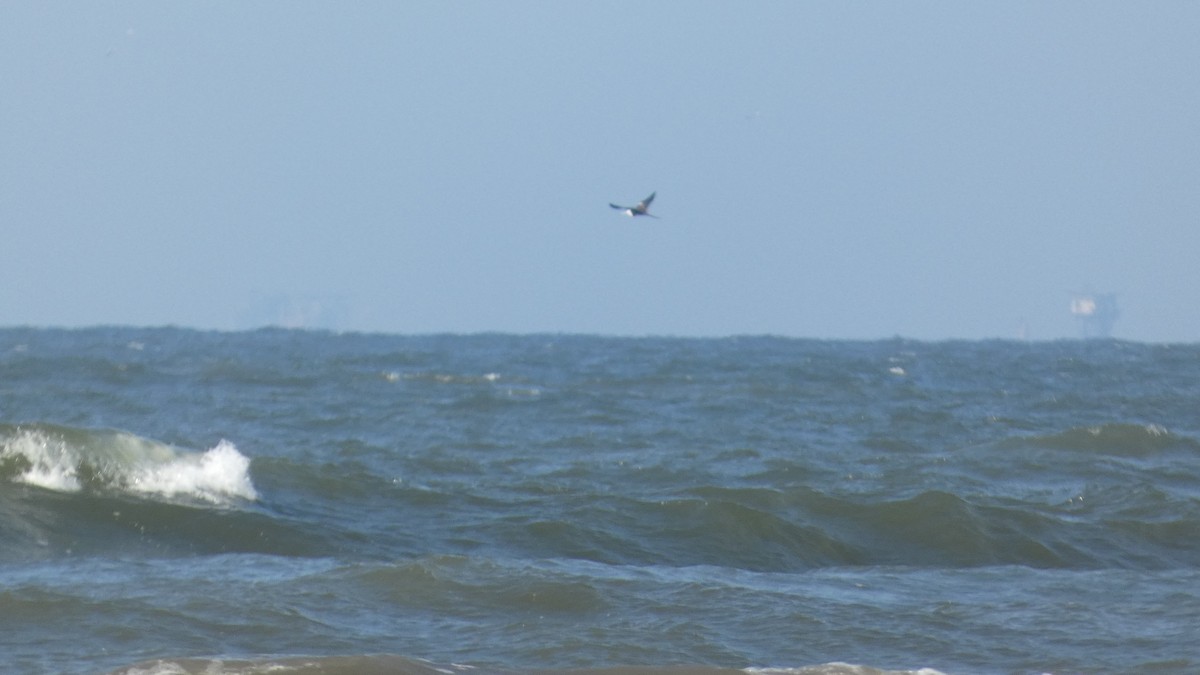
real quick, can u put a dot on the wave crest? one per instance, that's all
(73, 460)
(1130, 440)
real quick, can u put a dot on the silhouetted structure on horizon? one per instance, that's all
(1095, 313)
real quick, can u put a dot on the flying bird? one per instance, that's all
(640, 210)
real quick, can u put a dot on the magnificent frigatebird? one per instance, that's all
(639, 210)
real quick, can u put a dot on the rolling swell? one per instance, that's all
(95, 490)
(806, 529)
(145, 493)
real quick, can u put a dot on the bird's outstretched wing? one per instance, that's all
(639, 210)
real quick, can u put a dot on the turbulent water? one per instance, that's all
(277, 501)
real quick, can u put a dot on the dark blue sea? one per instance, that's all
(178, 502)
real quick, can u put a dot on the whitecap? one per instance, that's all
(215, 476)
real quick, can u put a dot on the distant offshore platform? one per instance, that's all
(1095, 313)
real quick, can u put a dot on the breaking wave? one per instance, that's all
(67, 459)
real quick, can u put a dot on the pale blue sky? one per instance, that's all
(824, 169)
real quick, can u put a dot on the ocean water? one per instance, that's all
(174, 501)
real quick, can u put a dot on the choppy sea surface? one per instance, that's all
(174, 501)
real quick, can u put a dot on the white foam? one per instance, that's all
(159, 668)
(215, 476)
(52, 463)
(838, 668)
